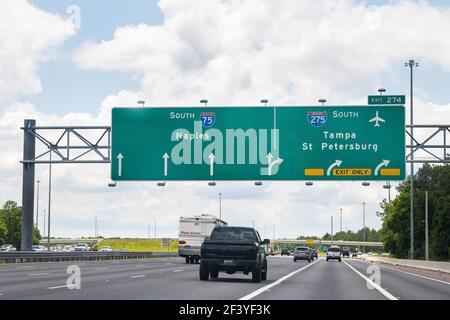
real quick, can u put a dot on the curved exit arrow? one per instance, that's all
(383, 164)
(334, 164)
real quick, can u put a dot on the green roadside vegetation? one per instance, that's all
(137, 245)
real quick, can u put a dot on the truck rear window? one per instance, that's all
(233, 234)
(334, 250)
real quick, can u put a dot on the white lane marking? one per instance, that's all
(177, 270)
(97, 269)
(59, 287)
(138, 276)
(373, 284)
(410, 273)
(38, 274)
(273, 284)
(1, 294)
(25, 267)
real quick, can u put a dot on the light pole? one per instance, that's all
(265, 101)
(148, 236)
(411, 64)
(253, 224)
(49, 198)
(204, 101)
(43, 235)
(95, 233)
(364, 224)
(220, 206)
(381, 90)
(340, 226)
(322, 101)
(388, 186)
(426, 226)
(155, 229)
(37, 204)
(332, 237)
(141, 102)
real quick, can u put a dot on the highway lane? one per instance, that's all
(406, 286)
(171, 278)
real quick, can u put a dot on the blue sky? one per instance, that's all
(66, 88)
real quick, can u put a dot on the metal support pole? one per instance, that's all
(341, 222)
(220, 205)
(49, 199)
(37, 205)
(332, 238)
(364, 224)
(29, 148)
(155, 229)
(426, 226)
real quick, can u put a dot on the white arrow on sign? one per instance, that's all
(271, 163)
(211, 164)
(334, 164)
(165, 157)
(382, 164)
(119, 158)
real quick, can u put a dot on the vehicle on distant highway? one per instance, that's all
(356, 254)
(302, 253)
(334, 253)
(38, 248)
(285, 252)
(105, 249)
(7, 248)
(232, 249)
(82, 247)
(345, 252)
(192, 233)
(68, 249)
(314, 254)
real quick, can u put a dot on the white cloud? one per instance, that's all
(233, 53)
(28, 36)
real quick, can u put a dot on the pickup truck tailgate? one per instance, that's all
(229, 249)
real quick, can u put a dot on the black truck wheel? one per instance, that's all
(264, 272)
(214, 274)
(204, 272)
(256, 275)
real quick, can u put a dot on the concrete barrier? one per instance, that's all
(428, 265)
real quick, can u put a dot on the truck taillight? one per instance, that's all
(181, 242)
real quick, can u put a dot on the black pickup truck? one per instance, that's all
(232, 249)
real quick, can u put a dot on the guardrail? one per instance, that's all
(421, 264)
(27, 256)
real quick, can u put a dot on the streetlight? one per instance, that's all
(37, 205)
(265, 101)
(411, 64)
(95, 233)
(49, 196)
(332, 237)
(142, 102)
(258, 183)
(388, 186)
(341, 222)
(211, 183)
(366, 184)
(322, 101)
(112, 184)
(43, 235)
(204, 101)
(364, 224)
(381, 90)
(161, 184)
(220, 206)
(309, 183)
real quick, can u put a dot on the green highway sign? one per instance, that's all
(397, 100)
(258, 143)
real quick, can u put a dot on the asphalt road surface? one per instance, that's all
(172, 278)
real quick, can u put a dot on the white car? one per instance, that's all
(68, 249)
(39, 248)
(105, 249)
(82, 247)
(334, 253)
(7, 248)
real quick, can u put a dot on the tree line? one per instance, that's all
(395, 231)
(11, 225)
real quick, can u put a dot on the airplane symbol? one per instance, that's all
(377, 119)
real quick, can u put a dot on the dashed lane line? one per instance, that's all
(38, 274)
(273, 284)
